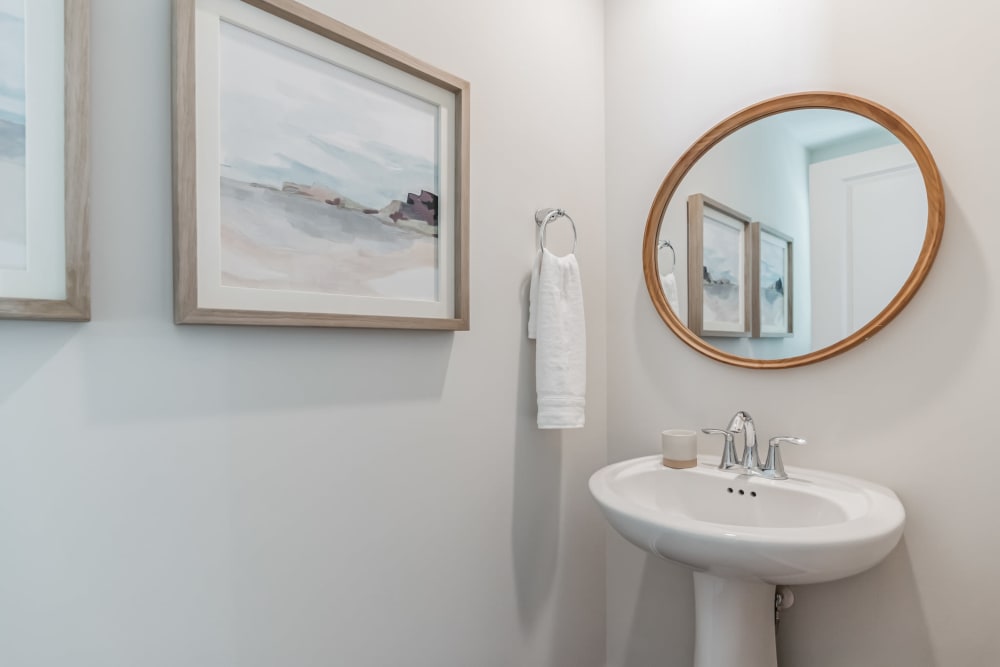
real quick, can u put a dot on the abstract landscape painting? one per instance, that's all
(722, 272)
(329, 180)
(775, 284)
(13, 222)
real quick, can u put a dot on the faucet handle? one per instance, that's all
(773, 467)
(728, 459)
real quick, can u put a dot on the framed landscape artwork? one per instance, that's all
(321, 176)
(44, 159)
(772, 311)
(719, 275)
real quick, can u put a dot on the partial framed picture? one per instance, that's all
(719, 275)
(772, 260)
(321, 176)
(44, 159)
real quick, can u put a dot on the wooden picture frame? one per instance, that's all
(720, 280)
(45, 164)
(773, 305)
(321, 177)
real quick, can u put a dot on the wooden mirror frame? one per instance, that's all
(811, 100)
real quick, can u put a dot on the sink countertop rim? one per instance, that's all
(885, 513)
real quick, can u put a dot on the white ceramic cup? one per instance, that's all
(680, 448)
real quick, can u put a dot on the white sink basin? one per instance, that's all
(742, 535)
(812, 527)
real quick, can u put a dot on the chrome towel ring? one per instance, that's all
(546, 215)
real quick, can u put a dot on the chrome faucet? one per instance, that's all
(773, 467)
(750, 460)
(728, 460)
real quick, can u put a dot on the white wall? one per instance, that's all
(762, 172)
(250, 496)
(905, 409)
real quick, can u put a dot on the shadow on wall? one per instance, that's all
(874, 609)
(152, 371)
(537, 487)
(663, 623)
(555, 545)
(25, 347)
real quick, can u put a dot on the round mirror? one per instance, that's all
(793, 230)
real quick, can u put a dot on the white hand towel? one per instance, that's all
(556, 322)
(669, 283)
(533, 297)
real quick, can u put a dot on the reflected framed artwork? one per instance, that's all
(772, 260)
(719, 275)
(44, 159)
(321, 176)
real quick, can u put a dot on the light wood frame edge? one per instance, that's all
(76, 306)
(186, 309)
(695, 261)
(809, 100)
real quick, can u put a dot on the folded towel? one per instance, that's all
(556, 322)
(669, 283)
(533, 297)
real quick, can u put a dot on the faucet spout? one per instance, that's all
(738, 421)
(750, 460)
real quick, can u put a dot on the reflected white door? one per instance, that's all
(868, 217)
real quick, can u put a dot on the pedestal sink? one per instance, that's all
(742, 535)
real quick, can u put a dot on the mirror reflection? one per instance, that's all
(792, 233)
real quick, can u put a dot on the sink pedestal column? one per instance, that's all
(734, 623)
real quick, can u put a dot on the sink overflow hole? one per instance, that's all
(730, 489)
(742, 492)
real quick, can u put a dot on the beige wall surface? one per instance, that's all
(224, 496)
(905, 409)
